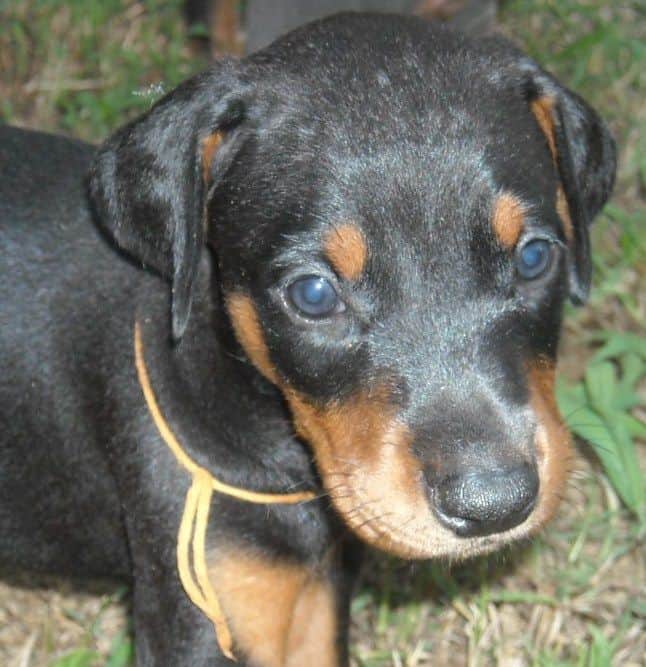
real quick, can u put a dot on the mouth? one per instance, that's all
(382, 495)
(408, 528)
(406, 525)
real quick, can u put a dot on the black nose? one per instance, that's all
(483, 502)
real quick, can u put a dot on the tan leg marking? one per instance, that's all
(313, 632)
(345, 247)
(508, 219)
(280, 614)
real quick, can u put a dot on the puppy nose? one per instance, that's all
(483, 502)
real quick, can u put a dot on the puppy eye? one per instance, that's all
(533, 258)
(313, 296)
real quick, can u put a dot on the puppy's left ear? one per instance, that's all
(585, 157)
(149, 180)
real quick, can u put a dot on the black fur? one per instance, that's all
(406, 129)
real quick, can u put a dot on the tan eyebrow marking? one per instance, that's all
(346, 248)
(508, 219)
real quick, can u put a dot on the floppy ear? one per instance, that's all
(584, 154)
(149, 180)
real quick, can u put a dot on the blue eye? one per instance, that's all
(313, 296)
(534, 258)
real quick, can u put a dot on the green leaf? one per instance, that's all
(122, 652)
(601, 650)
(600, 385)
(618, 344)
(633, 369)
(590, 426)
(598, 411)
(78, 658)
(570, 399)
(635, 427)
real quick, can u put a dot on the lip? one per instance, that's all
(407, 525)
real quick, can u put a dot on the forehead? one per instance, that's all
(429, 99)
(413, 140)
(404, 80)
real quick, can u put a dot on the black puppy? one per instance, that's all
(369, 230)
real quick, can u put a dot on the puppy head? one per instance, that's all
(398, 216)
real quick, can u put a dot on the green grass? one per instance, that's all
(120, 652)
(599, 409)
(115, 59)
(568, 598)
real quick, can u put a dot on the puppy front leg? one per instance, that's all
(169, 629)
(282, 613)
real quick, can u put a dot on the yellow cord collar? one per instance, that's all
(191, 537)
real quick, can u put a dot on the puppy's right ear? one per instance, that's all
(584, 155)
(149, 181)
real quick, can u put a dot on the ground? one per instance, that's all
(572, 597)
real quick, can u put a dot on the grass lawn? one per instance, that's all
(573, 596)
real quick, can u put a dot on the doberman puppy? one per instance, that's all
(345, 258)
